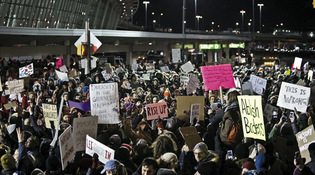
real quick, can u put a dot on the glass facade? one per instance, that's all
(102, 14)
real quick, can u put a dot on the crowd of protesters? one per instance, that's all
(148, 147)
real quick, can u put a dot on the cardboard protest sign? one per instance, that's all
(292, 95)
(156, 110)
(50, 113)
(104, 101)
(104, 152)
(15, 86)
(268, 111)
(187, 67)
(82, 127)
(66, 147)
(190, 136)
(297, 63)
(10, 105)
(149, 67)
(176, 55)
(252, 116)
(164, 69)
(247, 88)
(184, 105)
(63, 68)
(26, 71)
(84, 106)
(216, 76)
(192, 83)
(62, 76)
(258, 84)
(304, 139)
(183, 79)
(194, 112)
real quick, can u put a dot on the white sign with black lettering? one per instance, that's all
(104, 152)
(258, 84)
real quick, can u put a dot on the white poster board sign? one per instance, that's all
(62, 76)
(82, 127)
(66, 147)
(146, 77)
(184, 79)
(187, 67)
(63, 68)
(176, 55)
(258, 84)
(297, 63)
(15, 86)
(164, 69)
(194, 113)
(26, 71)
(310, 75)
(104, 101)
(104, 152)
(304, 139)
(294, 96)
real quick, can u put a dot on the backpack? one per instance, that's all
(233, 136)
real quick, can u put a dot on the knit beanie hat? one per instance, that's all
(168, 157)
(167, 92)
(7, 162)
(202, 146)
(261, 162)
(249, 165)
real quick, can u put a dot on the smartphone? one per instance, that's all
(291, 114)
(275, 114)
(230, 154)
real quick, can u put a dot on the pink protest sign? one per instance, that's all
(216, 76)
(155, 110)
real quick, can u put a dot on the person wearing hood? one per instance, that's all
(143, 131)
(203, 155)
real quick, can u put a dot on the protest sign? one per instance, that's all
(146, 77)
(50, 114)
(192, 83)
(184, 105)
(73, 73)
(8, 106)
(93, 63)
(310, 75)
(15, 86)
(300, 82)
(252, 116)
(149, 67)
(194, 113)
(164, 69)
(134, 66)
(104, 101)
(176, 55)
(26, 71)
(304, 139)
(258, 84)
(104, 152)
(106, 76)
(297, 63)
(247, 88)
(183, 79)
(84, 106)
(66, 147)
(187, 67)
(53, 142)
(190, 136)
(63, 68)
(82, 127)
(216, 76)
(156, 110)
(268, 111)
(237, 81)
(292, 95)
(62, 76)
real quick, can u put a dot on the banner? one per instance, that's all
(62, 76)
(26, 71)
(164, 69)
(82, 127)
(184, 106)
(190, 136)
(252, 116)
(292, 95)
(258, 84)
(84, 106)
(104, 101)
(187, 67)
(176, 55)
(66, 147)
(15, 86)
(297, 63)
(194, 113)
(156, 110)
(216, 76)
(192, 83)
(268, 111)
(304, 139)
(50, 113)
(104, 152)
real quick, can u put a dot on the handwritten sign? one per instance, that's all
(216, 76)
(304, 139)
(258, 84)
(149, 67)
(15, 86)
(156, 110)
(194, 112)
(252, 116)
(292, 95)
(82, 127)
(268, 111)
(104, 152)
(176, 55)
(26, 71)
(247, 88)
(104, 101)
(184, 79)
(187, 67)
(62, 76)
(63, 68)
(297, 63)
(164, 69)
(66, 147)
(50, 114)
(190, 136)
(192, 83)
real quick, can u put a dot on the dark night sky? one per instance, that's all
(297, 15)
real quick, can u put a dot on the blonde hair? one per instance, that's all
(232, 97)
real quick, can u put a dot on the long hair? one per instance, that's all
(232, 97)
